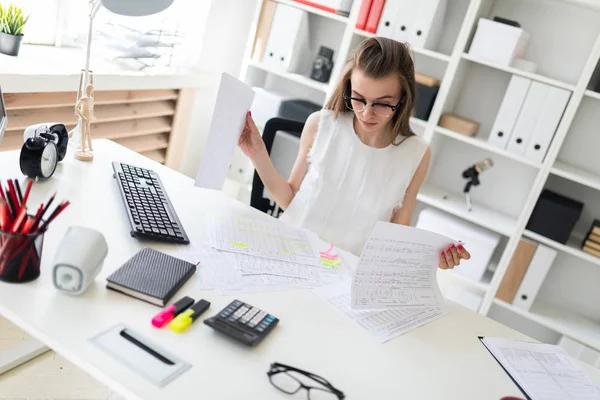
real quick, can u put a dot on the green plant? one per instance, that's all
(12, 20)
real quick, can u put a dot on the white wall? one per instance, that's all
(223, 46)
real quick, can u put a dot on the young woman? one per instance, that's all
(359, 162)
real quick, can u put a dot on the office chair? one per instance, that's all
(282, 139)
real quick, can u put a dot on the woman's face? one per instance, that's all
(383, 92)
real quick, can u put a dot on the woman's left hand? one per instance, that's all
(452, 256)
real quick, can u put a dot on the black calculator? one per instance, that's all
(243, 322)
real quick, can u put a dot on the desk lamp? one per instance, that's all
(84, 107)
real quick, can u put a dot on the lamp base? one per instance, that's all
(86, 155)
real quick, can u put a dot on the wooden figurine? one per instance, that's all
(85, 110)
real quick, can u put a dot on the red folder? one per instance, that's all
(363, 14)
(374, 15)
(316, 5)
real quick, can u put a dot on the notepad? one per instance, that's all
(542, 371)
(151, 276)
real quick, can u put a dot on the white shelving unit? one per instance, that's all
(474, 88)
(576, 175)
(298, 78)
(516, 71)
(313, 10)
(562, 321)
(455, 204)
(484, 145)
(592, 94)
(424, 52)
(573, 247)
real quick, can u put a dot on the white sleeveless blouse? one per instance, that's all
(349, 186)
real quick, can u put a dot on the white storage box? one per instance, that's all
(480, 242)
(498, 43)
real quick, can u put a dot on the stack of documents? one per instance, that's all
(394, 288)
(251, 256)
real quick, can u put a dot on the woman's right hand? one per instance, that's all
(251, 142)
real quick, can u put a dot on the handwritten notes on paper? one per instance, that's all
(397, 268)
(543, 371)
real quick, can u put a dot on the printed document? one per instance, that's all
(397, 268)
(265, 239)
(383, 324)
(234, 99)
(543, 371)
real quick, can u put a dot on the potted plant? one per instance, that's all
(12, 21)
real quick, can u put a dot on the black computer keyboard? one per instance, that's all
(149, 209)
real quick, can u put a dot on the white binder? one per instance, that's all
(390, 16)
(551, 114)
(528, 117)
(405, 19)
(513, 100)
(287, 48)
(428, 23)
(534, 277)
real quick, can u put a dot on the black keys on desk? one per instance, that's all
(243, 322)
(150, 211)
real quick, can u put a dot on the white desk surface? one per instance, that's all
(442, 360)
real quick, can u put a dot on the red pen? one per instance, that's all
(19, 194)
(12, 192)
(19, 220)
(2, 191)
(3, 215)
(54, 214)
(11, 199)
(32, 221)
(27, 191)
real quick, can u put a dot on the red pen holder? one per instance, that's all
(20, 256)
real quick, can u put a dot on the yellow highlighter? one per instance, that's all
(181, 322)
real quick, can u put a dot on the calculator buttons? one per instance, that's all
(249, 315)
(243, 322)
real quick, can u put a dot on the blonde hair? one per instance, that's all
(378, 57)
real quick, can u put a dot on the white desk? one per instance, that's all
(442, 360)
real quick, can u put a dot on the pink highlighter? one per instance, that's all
(165, 316)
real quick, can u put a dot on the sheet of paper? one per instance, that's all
(262, 239)
(234, 99)
(224, 271)
(249, 265)
(216, 269)
(383, 324)
(397, 268)
(543, 371)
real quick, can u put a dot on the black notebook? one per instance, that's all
(151, 276)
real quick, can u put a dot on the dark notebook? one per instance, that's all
(151, 276)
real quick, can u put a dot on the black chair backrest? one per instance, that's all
(283, 152)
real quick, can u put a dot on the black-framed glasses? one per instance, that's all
(291, 380)
(380, 109)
